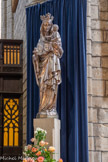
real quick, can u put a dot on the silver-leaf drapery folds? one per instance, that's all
(46, 61)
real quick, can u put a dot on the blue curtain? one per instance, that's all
(70, 15)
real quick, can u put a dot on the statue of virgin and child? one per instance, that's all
(46, 62)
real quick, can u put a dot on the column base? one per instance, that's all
(48, 114)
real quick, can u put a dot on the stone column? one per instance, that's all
(97, 54)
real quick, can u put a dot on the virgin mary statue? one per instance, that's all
(46, 61)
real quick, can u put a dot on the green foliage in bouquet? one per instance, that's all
(39, 152)
(40, 135)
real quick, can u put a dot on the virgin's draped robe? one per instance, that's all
(46, 63)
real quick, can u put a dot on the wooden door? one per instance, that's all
(11, 100)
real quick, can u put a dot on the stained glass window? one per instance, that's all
(11, 122)
(11, 54)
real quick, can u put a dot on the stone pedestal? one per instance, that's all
(52, 126)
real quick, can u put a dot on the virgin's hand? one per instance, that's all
(51, 54)
(35, 51)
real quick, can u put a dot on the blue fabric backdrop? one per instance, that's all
(70, 15)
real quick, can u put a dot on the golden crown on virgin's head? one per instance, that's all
(47, 17)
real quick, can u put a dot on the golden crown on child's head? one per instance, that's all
(47, 17)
